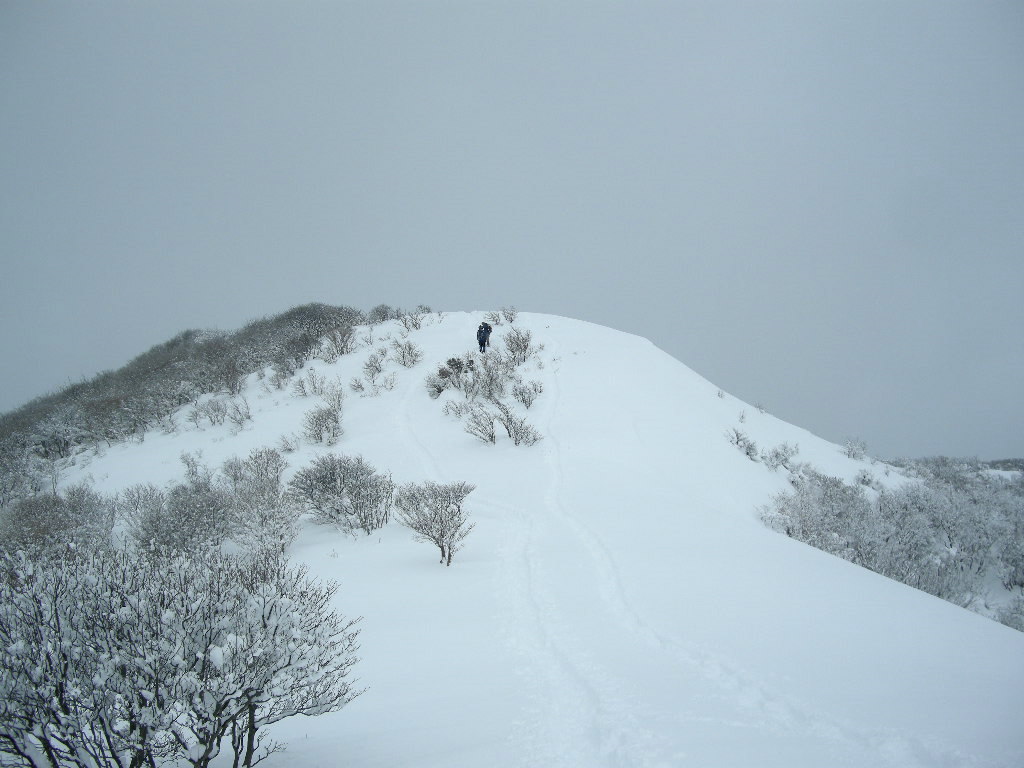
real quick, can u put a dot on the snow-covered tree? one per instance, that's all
(437, 514)
(345, 491)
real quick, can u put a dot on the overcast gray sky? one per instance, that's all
(819, 206)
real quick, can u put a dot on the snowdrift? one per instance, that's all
(619, 602)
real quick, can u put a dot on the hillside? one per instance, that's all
(619, 603)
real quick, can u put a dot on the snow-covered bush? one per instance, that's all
(322, 425)
(517, 343)
(865, 478)
(78, 514)
(1012, 614)
(331, 391)
(855, 448)
(510, 314)
(22, 472)
(109, 659)
(527, 393)
(491, 377)
(413, 321)
(780, 456)
(262, 516)
(457, 373)
(345, 491)
(480, 422)
(214, 410)
(1011, 551)
(381, 314)
(518, 430)
(374, 365)
(406, 353)
(340, 341)
(239, 412)
(436, 384)
(195, 514)
(745, 444)
(437, 514)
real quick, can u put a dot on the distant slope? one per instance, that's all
(620, 603)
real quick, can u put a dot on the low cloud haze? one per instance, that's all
(817, 206)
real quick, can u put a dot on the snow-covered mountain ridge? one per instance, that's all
(619, 602)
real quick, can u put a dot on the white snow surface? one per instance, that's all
(619, 603)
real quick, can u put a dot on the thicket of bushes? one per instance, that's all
(123, 404)
(128, 637)
(949, 531)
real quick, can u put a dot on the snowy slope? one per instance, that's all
(619, 603)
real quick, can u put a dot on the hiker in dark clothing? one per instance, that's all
(483, 336)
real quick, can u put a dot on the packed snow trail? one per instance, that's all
(581, 581)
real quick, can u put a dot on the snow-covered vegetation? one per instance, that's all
(176, 582)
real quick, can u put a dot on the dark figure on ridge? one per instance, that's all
(483, 336)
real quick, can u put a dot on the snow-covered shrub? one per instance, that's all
(322, 425)
(494, 318)
(517, 342)
(109, 659)
(374, 365)
(437, 514)
(745, 444)
(458, 408)
(1011, 552)
(331, 391)
(865, 478)
(340, 341)
(457, 373)
(510, 314)
(406, 353)
(527, 393)
(262, 516)
(289, 443)
(78, 514)
(239, 412)
(436, 384)
(214, 410)
(855, 448)
(413, 321)
(480, 423)
(345, 491)
(381, 314)
(22, 472)
(193, 515)
(780, 456)
(1012, 615)
(518, 430)
(491, 377)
